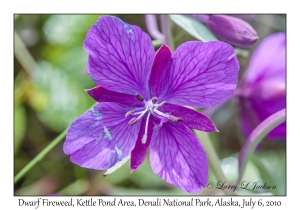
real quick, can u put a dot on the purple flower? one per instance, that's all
(142, 97)
(262, 91)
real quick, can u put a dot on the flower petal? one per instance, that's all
(248, 117)
(160, 62)
(117, 166)
(101, 137)
(120, 56)
(178, 158)
(202, 74)
(253, 112)
(191, 118)
(268, 62)
(101, 94)
(139, 152)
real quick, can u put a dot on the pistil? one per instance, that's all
(144, 139)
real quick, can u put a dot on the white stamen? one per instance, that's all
(160, 113)
(138, 113)
(158, 105)
(142, 114)
(152, 108)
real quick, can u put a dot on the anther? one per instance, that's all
(139, 97)
(154, 100)
(132, 121)
(175, 119)
(129, 113)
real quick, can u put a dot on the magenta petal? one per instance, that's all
(266, 90)
(139, 152)
(160, 62)
(178, 158)
(191, 118)
(120, 56)
(253, 112)
(268, 62)
(101, 137)
(202, 74)
(266, 109)
(101, 94)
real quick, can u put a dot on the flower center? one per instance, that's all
(151, 107)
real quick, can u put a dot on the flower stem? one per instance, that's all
(23, 55)
(40, 156)
(166, 29)
(213, 159)
(151, 24)
(256, 137)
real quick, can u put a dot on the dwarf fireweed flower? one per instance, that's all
(142, 97)
(262, 91)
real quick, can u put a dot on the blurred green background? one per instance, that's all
(49, 83)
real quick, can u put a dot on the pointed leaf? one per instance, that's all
(193, 27)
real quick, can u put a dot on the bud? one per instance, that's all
(232, 30)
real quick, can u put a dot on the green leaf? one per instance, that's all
(193, 27)
(64, 97)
